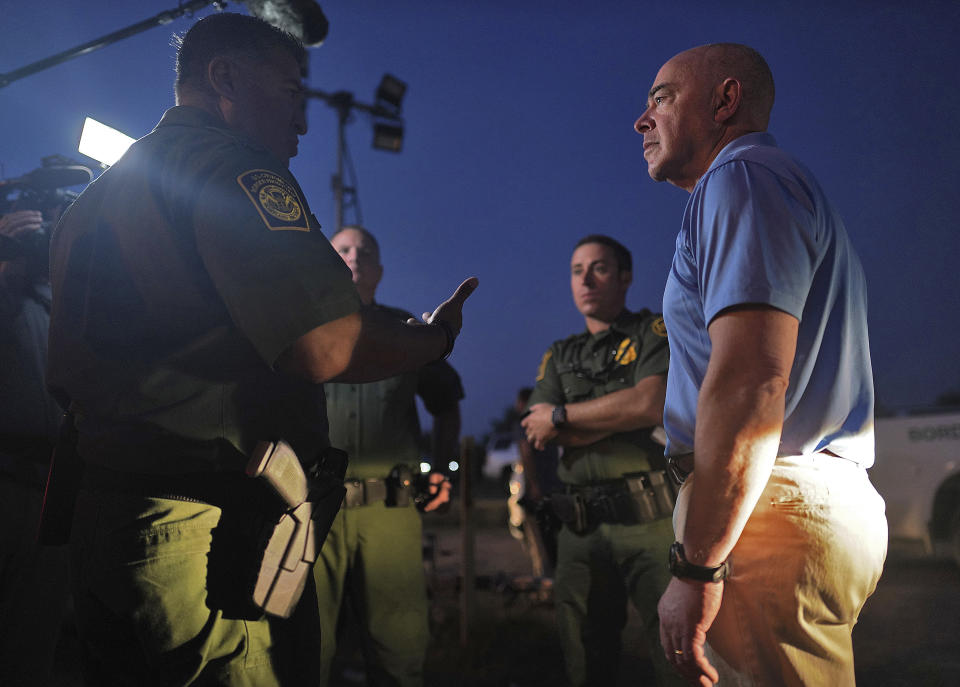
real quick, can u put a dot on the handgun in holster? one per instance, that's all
(311, 501)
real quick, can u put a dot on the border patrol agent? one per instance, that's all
(196, 309)
(372, 558)
(599, 394)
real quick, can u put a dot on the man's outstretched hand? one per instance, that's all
(451, 310)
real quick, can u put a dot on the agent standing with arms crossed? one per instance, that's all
(781, 536)
(373, 556)
(599, 395)
(197, 309)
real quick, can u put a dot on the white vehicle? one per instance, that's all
(502, 453)
(918, 474)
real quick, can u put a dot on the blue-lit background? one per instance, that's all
(519, 141)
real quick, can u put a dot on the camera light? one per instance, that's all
(104, 144)
(454, 466)
(425, 467)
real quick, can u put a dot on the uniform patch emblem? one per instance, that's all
(626, 352)
(275, 199)
(658, 327)
(542, 371)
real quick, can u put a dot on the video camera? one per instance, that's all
(45, 189)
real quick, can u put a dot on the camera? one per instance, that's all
(46, 190)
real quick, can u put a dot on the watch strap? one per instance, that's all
(559, 416)
(684, 569)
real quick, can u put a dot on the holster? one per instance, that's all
(399, 486)
(291, 543)
(571, 510)
(63, 483)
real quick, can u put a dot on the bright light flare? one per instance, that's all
(424, 467)
(104, 144)
(453, 465)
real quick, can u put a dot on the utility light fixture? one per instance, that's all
(104, 144)
(390, 91)
(387, 125)
(387, 137)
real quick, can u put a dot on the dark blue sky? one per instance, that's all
(519, 142)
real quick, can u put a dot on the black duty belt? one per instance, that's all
(216, 488)
(360, 492)
(363, 492)
(635, 498)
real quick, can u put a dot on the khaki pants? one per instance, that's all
(810, 555)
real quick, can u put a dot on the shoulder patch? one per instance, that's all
(626, 352)
(542, 371)
(658, 327)
(275, 198)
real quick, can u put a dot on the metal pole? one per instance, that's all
(467, 567)
(343, 103)
(159, 20)
(342, 114)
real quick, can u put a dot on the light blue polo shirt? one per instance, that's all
(758, 229)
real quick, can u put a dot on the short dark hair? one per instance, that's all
(620, 252)
(364, 231)
(228, 33)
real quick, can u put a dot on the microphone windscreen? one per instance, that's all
(303, 18)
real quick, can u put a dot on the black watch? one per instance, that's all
(681, 567)
(559, 416)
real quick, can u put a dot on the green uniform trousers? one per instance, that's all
(140, 578)
(373, 560)
(596, 574)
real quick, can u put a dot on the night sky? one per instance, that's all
(519, 141)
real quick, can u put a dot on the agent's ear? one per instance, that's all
(729, 96)
(223, 76)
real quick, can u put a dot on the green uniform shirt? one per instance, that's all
(179, 277)
(376, 423)
(587, 366)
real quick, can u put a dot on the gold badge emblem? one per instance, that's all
(658, 327)
(542, 371)
(276, 200)
(279, 203)
(626, 352)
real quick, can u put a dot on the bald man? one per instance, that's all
(769, 406)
